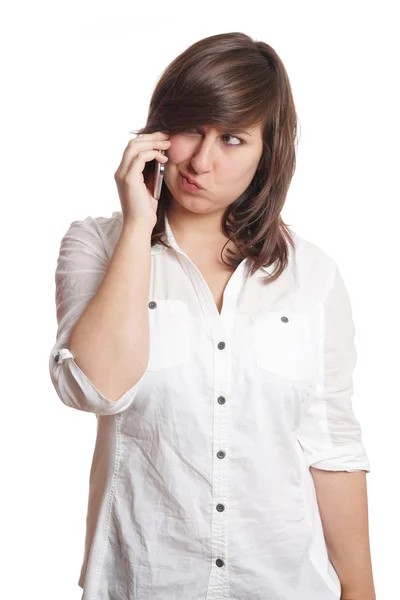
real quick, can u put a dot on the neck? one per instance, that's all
(191, 228)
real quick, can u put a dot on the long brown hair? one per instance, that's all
(231, 81)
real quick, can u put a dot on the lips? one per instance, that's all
(191, 180)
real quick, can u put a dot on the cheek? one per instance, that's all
(238, 172)
(178, 151)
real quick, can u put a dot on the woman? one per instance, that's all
(216, 349)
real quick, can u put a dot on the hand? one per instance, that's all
(137, 202)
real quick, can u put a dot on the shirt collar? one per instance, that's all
(169, 238)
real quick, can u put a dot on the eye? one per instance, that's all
(235, 137)
(225, 135)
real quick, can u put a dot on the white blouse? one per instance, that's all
(200, 487)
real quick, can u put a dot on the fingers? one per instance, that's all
(138, 162)
(149, 142)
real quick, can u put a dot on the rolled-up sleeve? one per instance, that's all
(81, 266)
(330, 434)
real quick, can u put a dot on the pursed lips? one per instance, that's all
(190, 180)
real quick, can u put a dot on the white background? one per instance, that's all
(76, 77)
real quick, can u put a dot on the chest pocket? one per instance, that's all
(286, 344)
(169, 322)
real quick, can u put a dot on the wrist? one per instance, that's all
(137, 227)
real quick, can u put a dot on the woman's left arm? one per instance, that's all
(343, 505)
(330, 437)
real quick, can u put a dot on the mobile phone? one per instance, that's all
(158, 178)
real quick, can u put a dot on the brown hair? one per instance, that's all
(231, 81)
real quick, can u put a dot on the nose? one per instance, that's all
(202, 157)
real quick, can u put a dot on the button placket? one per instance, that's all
(220, 328)
(219, 587)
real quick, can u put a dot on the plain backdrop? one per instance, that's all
(76, 78)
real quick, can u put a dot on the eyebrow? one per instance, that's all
(238, 131)
(233, 131)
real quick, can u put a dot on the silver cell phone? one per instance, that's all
(158, 178)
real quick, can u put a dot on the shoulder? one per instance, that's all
(104, 225)
(308, 254)
(313, 267)
(102, 231)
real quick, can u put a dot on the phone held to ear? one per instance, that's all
(158, 178)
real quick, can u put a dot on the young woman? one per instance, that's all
(216, 349)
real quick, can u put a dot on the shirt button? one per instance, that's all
(57, 357)
(219, 562)
(220, 507)
(221, 454)
(221, 400)
(284, 319)
(221, 345)
(152, 304)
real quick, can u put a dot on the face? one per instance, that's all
(222, 162)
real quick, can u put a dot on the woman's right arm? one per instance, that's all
(102, 343)
(102, 348)
(110, 341)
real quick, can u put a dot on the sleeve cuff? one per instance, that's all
(77, 391)
(350, 458)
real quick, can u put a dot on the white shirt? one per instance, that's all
(200, 487)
